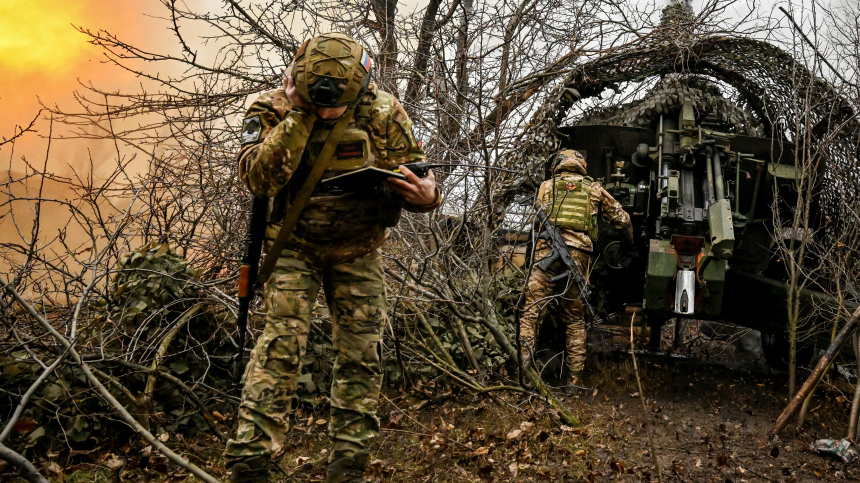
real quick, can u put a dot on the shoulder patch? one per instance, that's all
(251, 129)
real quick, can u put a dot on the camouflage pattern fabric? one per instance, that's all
(277, 134)
(352, 223)
(571, 167)
(335, 246)
(355, 293)
(539, 297)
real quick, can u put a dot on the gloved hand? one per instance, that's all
(628, 235)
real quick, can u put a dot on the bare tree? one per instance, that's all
(487, 84)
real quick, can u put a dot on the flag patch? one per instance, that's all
(365, 61)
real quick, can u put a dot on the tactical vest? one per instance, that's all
(336, 216)
(571, 200)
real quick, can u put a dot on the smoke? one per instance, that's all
(45, 59)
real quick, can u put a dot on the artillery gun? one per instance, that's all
(700, 194)
(700, 174)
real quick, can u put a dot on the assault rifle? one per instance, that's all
(555, 242)
(253, 246)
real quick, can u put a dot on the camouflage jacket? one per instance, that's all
(600, 200)
(276, 139)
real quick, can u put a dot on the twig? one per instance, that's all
(28, 471)
(22, 130)
(432, 400)
(801, 417)
(204, 412)
(26, 398)
(813, 379)
(644, 408)
(108, 397)
(149, 389)
(815, 49)
(855, 402)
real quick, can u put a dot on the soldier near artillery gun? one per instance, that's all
(330, 112)
(572, 201)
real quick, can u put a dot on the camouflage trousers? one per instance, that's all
(540, 297)
(355, 294)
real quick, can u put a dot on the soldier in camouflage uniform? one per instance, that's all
(571, 200)
(335, 246)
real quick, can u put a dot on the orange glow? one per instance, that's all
(37, 36)
(43, 56)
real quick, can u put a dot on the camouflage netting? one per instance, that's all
(705, 97)
(157, 316)
(768, 81)
(152, 286)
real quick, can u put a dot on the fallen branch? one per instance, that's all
(184, 388)
(816, 375)
(149, 389)
(107, 396)
(26, 398)
(28, 471)
(502, 341)
(645, 413)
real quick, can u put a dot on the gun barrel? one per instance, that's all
(248, 278)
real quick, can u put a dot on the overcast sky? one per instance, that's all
(42, 55)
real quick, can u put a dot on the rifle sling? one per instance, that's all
(302, 197)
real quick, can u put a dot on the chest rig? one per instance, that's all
(571, 200)
(354, 147)
(334, 215)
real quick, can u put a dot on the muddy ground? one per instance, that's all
(708, 423)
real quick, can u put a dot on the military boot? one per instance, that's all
(249, 469)
(347, 469)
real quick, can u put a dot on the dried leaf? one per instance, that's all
(25, 425)
(114, 462)
(480, 451)
(52, 467)
(514, 434)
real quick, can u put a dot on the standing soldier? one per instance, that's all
(572, 201)
(335, 245)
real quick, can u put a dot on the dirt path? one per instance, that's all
(709, 424)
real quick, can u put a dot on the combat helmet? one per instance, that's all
(331, 70)
(569, 160)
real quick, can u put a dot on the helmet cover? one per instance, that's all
(569, 160)
(331, 70)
